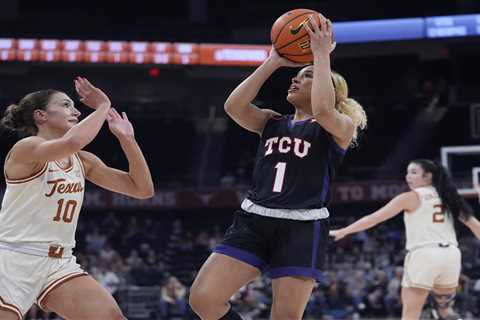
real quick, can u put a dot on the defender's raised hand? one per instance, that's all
(119, 124)
(91, 95)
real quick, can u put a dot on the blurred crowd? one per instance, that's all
(362, 278)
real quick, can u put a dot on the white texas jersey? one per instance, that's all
(430, 223)
(44, 207)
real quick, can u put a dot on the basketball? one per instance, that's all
(290, 38)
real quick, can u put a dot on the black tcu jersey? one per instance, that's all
(295, 164)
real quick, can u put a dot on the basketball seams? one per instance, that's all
(287, 23)
(289, 43)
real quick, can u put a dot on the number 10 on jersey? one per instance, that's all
(279, 176)
(65, 212)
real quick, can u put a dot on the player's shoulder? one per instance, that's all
(275, 120)
(24, 145)
(409, 200)
(426, 190)
(28, 141)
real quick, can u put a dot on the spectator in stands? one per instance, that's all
(95, 240)
(173, 303)
(392, 299)
(107, 278)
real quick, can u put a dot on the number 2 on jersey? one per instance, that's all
(439, 214)
(279, 176)
(68, 210)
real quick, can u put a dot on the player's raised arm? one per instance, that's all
(323, 96)
(47, 145)
(239, 104)
(405, 201)
(137, 182)
(473, 224)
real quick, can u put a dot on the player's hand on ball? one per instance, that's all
(281, 61)
(337, 234)
(321, 35)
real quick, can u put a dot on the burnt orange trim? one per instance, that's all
(55, 284)
(10, 307)
(27, 179)
(81, 165)
(67, 169)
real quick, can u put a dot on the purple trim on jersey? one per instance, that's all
(326, 181)
(291, 123)
(295, 271)
(241, 255)
(338, 148)
(315, 242)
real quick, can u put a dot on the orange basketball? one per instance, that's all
(290, 38)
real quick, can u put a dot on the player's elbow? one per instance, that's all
(144, 194)
(234, 107)
(73, 144)
(229, 108)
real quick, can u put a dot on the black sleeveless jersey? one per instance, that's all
(295, 165)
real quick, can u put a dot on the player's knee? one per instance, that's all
(285, 313)
(202, 299)
(198, 299)
(112, 313)
(443, 300)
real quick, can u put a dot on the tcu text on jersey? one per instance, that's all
(284, 145)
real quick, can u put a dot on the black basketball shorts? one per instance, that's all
(280, 247)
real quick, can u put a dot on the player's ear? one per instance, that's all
(40, 116)
(428, 176)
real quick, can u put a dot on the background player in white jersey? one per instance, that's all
(45, 174)
(433, 262)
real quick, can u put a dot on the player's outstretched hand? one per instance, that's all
(337, 234)
(119, 124)
(91, 95)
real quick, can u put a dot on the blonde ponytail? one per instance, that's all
(348, 106)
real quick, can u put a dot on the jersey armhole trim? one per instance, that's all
(80, 161)
(27, 179)
(337, 148)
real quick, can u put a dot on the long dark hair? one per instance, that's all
(456, 205)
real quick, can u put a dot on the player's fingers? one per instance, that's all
(83, 88)
(124, 115)
(309, 29)
(312, 23)
(323, 24)
(329, 27)
(117, 114)
(88, 84)
(334, 45)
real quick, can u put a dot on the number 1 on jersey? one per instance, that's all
(279, 176)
